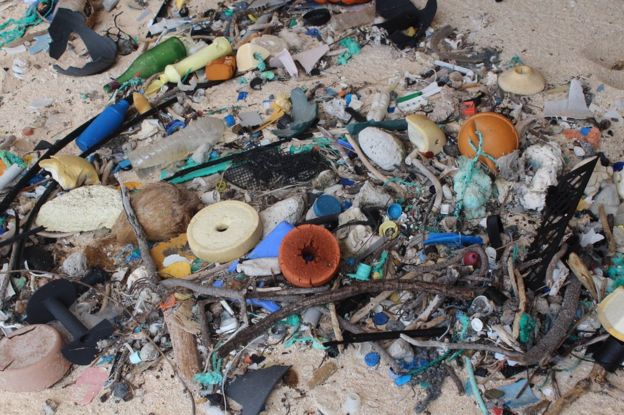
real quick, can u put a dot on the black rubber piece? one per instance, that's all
(317, 17)
(610, 354)
(52, 302)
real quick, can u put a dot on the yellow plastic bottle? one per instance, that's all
(173, 73)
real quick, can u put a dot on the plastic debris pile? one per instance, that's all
(433, 221)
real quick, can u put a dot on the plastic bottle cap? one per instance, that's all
(372, 359)
(394, 211)
(379, 319)
(363, 272)
(326, 205)
(229, 120)
(389, 229)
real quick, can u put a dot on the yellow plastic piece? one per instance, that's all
(163, 249)
(141, 103)
(70, 171)
(174, 73)
(522, 80)
(611, 313)
(224, 231)
(179, 4)
(180, 269)
(425, 134)
(389, 229)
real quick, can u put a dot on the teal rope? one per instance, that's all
(471, 169)
(30, 18)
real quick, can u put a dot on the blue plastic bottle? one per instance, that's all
(105, 124)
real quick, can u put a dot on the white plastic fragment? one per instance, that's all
(309, 58)
(259, 267)
(382, 148)
(289, 210)
(574, 106)
(352, 404)
(284, 59)
(547, 161)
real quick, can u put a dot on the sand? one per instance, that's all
(546, 35)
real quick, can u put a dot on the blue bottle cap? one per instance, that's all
(379, 319)
(395, 211)
(372, 359)
(326, 205)
(618, 166)
(229, 120)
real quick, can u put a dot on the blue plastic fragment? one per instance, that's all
(402, 380)
(326, 205)
(453, 239)
(372, 359)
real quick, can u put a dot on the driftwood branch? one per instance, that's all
(183, 343)
(546, 346)
(252, 332)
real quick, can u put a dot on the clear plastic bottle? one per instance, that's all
(205, 130)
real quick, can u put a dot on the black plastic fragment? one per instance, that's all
(561, 203)
(401, 15)
(253, 388)
(102, 49)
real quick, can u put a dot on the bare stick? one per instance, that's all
(461, 346)
(146, 256)
(522, 299)
(334, 318)
(412, 159)
(606, 229)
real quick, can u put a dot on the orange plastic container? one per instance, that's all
(499, 137)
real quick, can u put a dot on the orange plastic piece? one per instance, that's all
(499, 137)
(221, 69)
(31, 359)
(593, 137)
(309, 256)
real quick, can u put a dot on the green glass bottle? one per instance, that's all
(152, 62)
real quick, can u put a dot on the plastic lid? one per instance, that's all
(326, 205)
